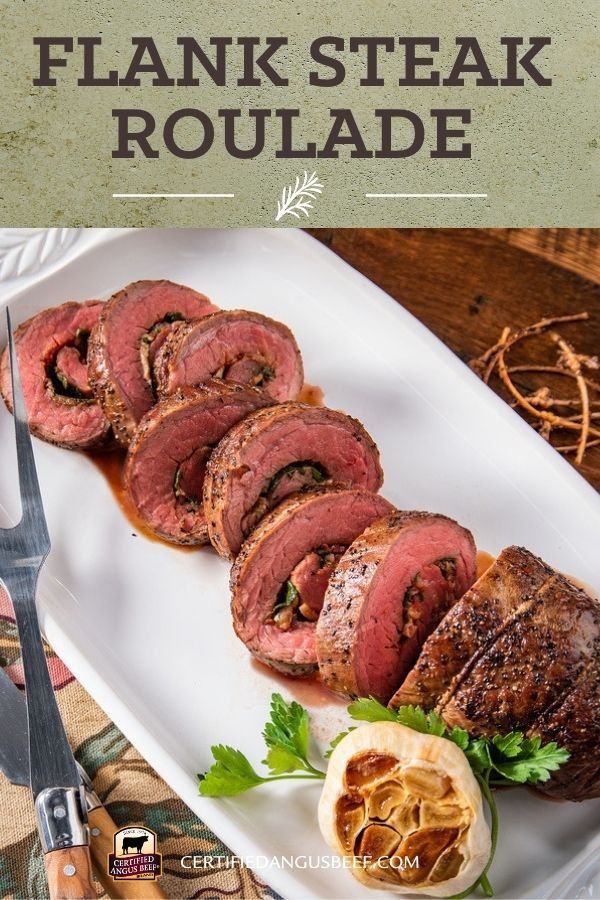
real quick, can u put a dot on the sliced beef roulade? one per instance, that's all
(388, 592)
(166, 460)
(275, 452)
(52, 349)
(133, 326)
(281, 573)
(237, 345)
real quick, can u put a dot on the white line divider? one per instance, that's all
(427, 196)
(170, 196)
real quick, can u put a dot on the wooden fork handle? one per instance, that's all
(70, 874)
(102, 829)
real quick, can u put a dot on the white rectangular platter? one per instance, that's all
(146, 628)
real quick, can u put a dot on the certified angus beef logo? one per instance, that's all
(134, 855)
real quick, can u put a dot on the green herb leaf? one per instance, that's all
(368, 709)
(459, 736)
(416, 718)
(413, 717)
(509, 745)
(305, 467)
(281, 759)
(266, 374)
(533, 765)
(340, 737)
(512, 757)
(288, 726)
(288, 594)
(286, 736)
(230, 774)
(478, 755)
(436, 725)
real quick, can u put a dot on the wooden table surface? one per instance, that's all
(466, 285)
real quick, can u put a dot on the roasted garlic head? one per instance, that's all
(406, 809)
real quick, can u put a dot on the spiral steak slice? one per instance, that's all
(134, 323)
(275, 452)
(52, 349)
(275, 601)
(167, 457)
(388, 592)
(237, 345)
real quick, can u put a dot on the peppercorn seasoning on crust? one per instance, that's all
(389, 590)
(510, 583)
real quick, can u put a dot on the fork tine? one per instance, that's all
(31, 498)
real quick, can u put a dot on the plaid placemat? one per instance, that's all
(130, 789)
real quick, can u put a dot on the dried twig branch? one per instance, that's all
(541, 405)
(573, 362)
(504, 343)
(553, 370)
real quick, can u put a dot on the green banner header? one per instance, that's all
(275, 113)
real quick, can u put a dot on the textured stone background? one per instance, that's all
(535, 150)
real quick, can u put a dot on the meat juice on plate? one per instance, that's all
(111, 466)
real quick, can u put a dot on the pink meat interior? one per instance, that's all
(204, 352)
(386, 655)
(130, 321)
(311, 576)
(180, 445)
(46, 341)
(71, 366)
(345, 460)
(335, 519)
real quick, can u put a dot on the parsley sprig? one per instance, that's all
(286, 736)
(502, 760)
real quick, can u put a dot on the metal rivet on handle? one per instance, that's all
(96, 832)
(69, 870)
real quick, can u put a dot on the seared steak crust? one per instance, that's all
(301, 525)
(388, 591)
(237, 345)
(574, 722)
(166, 459)
(520, 652)
(52, 352)
(133, 324)
(539, 674)
(273, 453)
(511, 582)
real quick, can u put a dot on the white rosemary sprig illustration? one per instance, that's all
(298, 197)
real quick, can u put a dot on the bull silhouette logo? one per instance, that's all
(134, 843)
(134, 855)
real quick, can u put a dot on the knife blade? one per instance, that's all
(14, 762)
(14, 752)
(14, 755)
